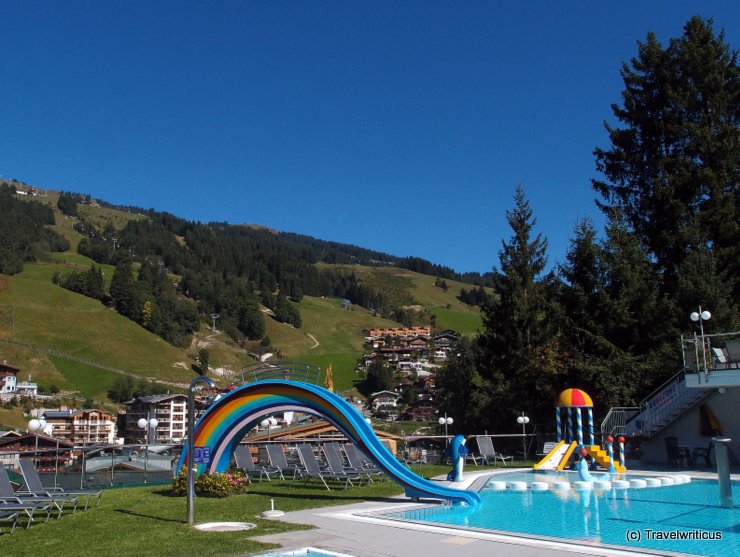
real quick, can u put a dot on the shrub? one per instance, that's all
(212, 485)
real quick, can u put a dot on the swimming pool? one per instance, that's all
(682, 518)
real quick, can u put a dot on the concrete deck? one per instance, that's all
(348, 529)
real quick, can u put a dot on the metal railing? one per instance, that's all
(292, 371)
(710, 352)
(615, 422)
(666, 403)
(87, 466)
(102, 465)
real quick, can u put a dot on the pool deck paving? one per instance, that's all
(354, 530)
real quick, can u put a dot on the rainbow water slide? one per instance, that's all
(230, 418)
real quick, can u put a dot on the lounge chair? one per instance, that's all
(12, 511)
(488, 453)
(313, 470)
(35, 487)
(358, 460)
(335, 462)
(703, 452)
(245, 463)
(12, 501)
(277, 460)
(9, 515)
(676, 454)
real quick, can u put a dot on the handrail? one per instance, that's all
(676, 376)
(615, 421)
(292, 371)
(666, 402)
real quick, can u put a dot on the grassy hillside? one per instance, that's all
(35, 312)
(337, 331)
(44, 314)
(450, 312)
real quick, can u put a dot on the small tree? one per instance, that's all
(204, 357)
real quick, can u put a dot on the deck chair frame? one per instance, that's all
(35, 487)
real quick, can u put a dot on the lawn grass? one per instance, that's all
(149, 521)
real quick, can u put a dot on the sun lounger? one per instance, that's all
(313, 470)
(277, 460)
(9, 515)
(29, 503)
(358, 460)
(35, 487)
(245, 463)
(487, 452)
(335, 461)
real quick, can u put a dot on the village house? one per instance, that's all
(397, 332)
(171, 414)
(8, 380)
(422, 409)
(81, 427)
(48, 453)
(384, 405)
(27, 388)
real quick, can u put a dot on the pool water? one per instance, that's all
(683, 518)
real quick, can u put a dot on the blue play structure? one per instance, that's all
(458, 452)
(229, 419)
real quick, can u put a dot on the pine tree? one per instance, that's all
(582, 294)
(673, 168)
(123, 291)
(517, 341)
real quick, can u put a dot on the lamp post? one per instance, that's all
(150, 426)
(268, 422)
(701, 316)
(445, 421)
(35, 426)
(523, 420)
(191, 443)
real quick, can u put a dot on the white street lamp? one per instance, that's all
(268, 423)
(37, 426)
(446, 421)
(150, 426)
(701, 316)
(523, 420)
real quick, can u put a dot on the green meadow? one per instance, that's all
(36, 313)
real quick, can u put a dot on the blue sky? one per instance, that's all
(398, 126)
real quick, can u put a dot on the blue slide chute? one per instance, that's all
(229, 419)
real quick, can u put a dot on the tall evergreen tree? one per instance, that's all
(582, 295)
(518, 354)
(123, 291)
(617, 324)
(673, 168)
